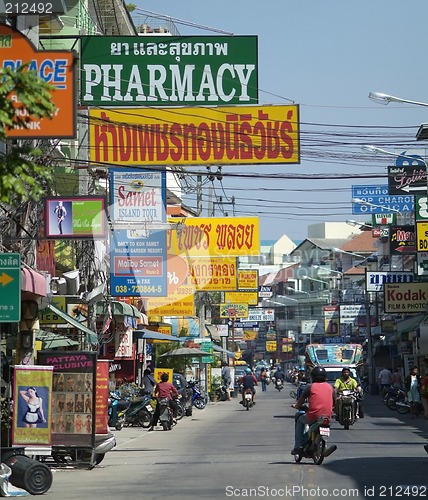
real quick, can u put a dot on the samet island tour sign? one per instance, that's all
(195, 135)
(56, 67)
(169, 71)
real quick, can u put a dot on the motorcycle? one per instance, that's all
(347, 408)
(199, 400)
(139, 412)
(222, 393)
(394, 398)
(117, 408)
(315, 440)
(279, 384)
(165, 414)
(248, 399)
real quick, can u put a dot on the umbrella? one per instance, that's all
(186, 351)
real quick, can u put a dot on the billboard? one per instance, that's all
(376, 200)
(56, 67)
(405, 298)
(168, 70)
(195, 135)
(75, 217)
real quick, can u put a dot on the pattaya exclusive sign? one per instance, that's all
(169, 70)
(215, 236)
(57, 68)
(195, 136)
(405, 297)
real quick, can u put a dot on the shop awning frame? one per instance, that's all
(52, 340)
(91, 336)
(145, 334)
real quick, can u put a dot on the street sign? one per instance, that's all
(410, 179)
(10, 287)
(379, 200)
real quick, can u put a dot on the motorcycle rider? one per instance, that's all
(347, 383)
(248, 381)
(321, 398)
(279, 375)
(164, 389)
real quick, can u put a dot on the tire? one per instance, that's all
(189, 412)
(144, 418)
(180, 412)
(199, 403)
(298, 458)
(119, 426)
(391, 403)
(165, 426)
(318, 455)
(403, 408)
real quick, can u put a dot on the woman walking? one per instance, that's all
(413, 383)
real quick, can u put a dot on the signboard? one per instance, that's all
(350, 312)
(76, 217)
(261, 315)
(250, 298)
(405, 298)
(402, 240)
(409, 179)
(270, 345)
(332, 320)
(215, 237)
(213, 273)
(384, 219)
(10, 287)
(56, 67)
(422, 263)
(138, 254)
(248, 279)
(376, 279)
(421, 236)
(421, 208)
(245, 135)
(233, 310)
(265, 291)
(169, 70)
(180, 302)
(380, 201)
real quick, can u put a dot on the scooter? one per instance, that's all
(248, 399)
(117, 408)
(222, 393)
(279, 384)
(165, 414)
(347, 407)
(139, 412)
(315, 440)
(199, 400)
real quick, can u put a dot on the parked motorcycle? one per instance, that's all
(395, 397)
(139, 412)
(347, 408)
(248, 399)
(222, 393)
(279, 384)
(117, 408)
(165, 414)
(199, 400)
(315, 440)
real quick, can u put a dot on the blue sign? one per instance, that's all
(376, 200)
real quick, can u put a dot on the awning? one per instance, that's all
(33, 282)
(410, 324)
(118, 309)
(91, 336)
(52, 340)
(220, 349)
(150, 335)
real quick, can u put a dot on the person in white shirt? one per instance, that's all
(385, 380)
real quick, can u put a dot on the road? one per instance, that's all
(227, 452)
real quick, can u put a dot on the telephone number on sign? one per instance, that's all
(138, 289)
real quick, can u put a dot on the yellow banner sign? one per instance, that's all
(195, 136)
(271, 345)
(215, 237)
(233, 310)
(250, 298)
(181, 302)
(213, 273)
(248, 279)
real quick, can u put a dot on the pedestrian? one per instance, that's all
(413, 383)
(385, 380)
(226, 377)
(148, 382)
(424, 394)
(263, 379)
(397, 379)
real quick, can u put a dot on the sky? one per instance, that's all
(326, 56)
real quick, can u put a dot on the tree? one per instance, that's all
(22, 177)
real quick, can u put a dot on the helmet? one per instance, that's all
(164, 377)
(318, 374)
(247, 370)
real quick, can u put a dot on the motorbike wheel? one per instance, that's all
(403, 408)
(318, 455)
(298, 458)
(166, 426)
(199, 403)
(144, 418)
(180, 412)
(391, 403)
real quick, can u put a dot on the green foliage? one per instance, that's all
(21, 174)
(130, 7)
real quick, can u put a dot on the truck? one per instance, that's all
(334, 357)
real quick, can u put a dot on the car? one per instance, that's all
(240, 371)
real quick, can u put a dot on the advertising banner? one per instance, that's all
(261, 315)
(402, 240)
(169, 70)
(138, 253)
(77, 217)
(250, 298)
(73, 395)
(376, 279)
(248, 279)
(213, 273)
(57, 68)
(32, 403)
(215, 237)
(233, 310)
(101, 396)
(408, 179)
(332, 320)
(405, 298)
(245, 135)
(179, 302)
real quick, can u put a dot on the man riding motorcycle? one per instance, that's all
(347, 383)
(321, 399)
(248, 381)
(164, 389)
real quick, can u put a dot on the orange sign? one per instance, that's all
(56, 67)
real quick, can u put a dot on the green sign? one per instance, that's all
(207, 346)
(10, 287)
(169, 70)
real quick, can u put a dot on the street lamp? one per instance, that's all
(373, 149)
(385, 99)
(362, 225)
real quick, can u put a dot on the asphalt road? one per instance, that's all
(226, 452)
